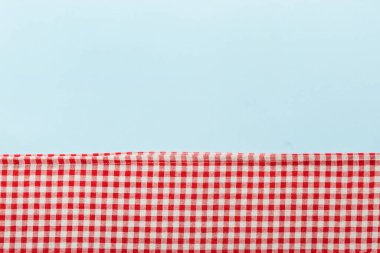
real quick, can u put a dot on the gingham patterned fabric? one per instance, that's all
(190, 202)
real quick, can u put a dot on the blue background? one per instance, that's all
(258, 76)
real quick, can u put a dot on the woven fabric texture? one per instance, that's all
(190, 202)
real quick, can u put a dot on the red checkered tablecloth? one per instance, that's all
(190, 202)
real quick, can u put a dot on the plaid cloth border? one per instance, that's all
(190, 202)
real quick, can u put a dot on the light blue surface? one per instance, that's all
(258, 76)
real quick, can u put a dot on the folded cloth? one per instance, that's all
(190, 202)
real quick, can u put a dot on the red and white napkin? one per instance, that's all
(190, 202)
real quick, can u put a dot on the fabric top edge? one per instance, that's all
(192, 157)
